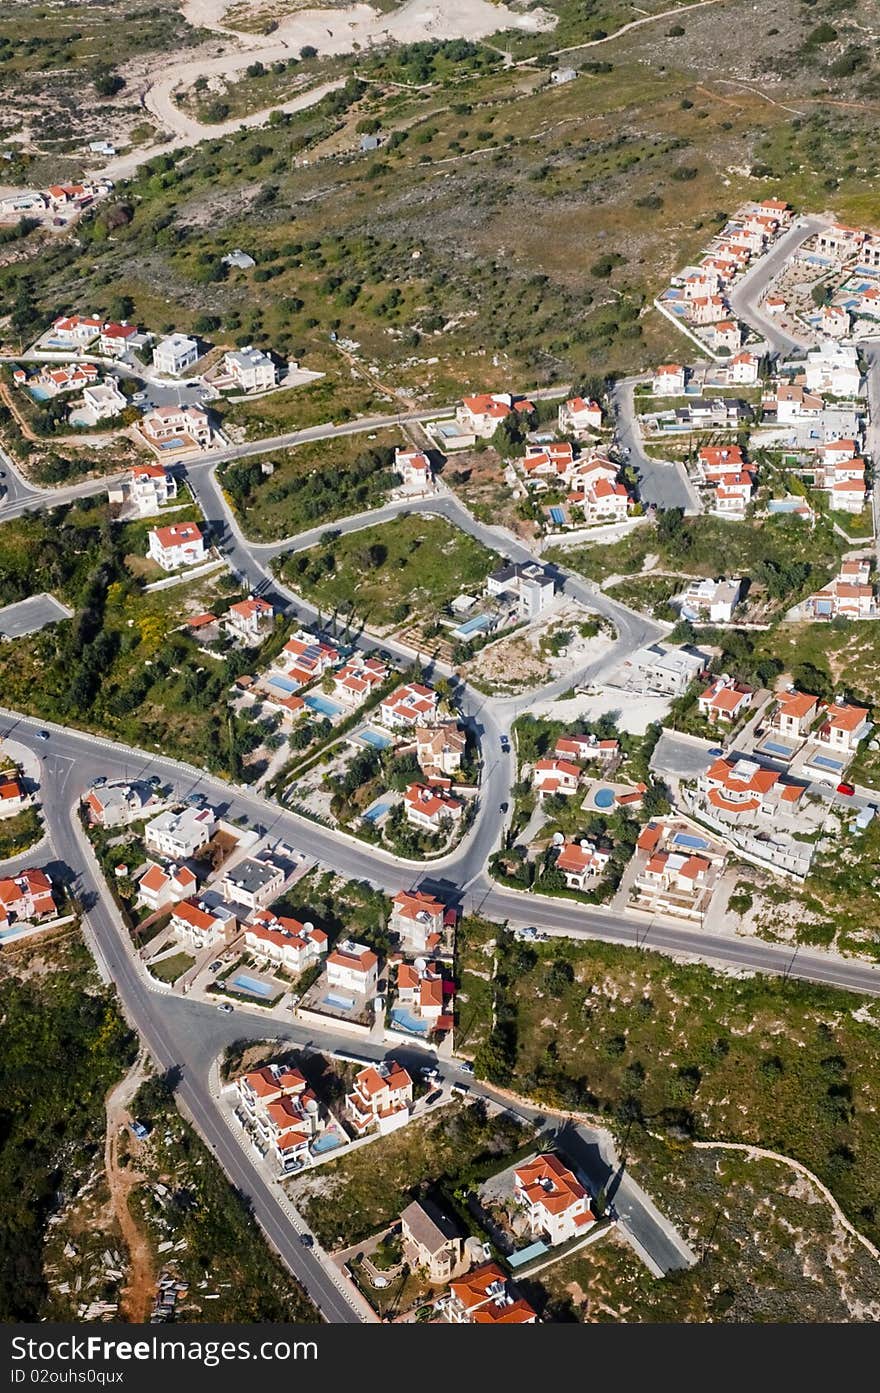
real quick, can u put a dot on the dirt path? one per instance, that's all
(760, 1153)
(136, 1300)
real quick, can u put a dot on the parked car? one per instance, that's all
(466, 1067)
(215, 967)
(306, 1240)
(155, 781)
(846, 789)
(502, 808)
(225, 1007)
(99, 782)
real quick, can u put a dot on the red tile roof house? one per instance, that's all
(353, 683)
(739, 790)
(585, 748)
(556, 1203)
(284, 941)
(282, 1112)
(482, 415)
(76, 329)
(669, 380)
(431, 807)
(417, 919)
(795, 713)
(673, 871)
(148, 487)
(411, 705)
(352, 967)
(743, 370)
(415, 471)
(425, 992)
(176, 428)
(555, 776)
(725, 700)
(158, 887)
(716, 462)
(484, 1297)
(199, 926)
(381, 1097)
(843, 728)
(580, 863)
(181, 544)
(116, 339)
(439, 749)
(250, 620)
(26, 897)
(578, 417)
(12, 797)
(304, 657)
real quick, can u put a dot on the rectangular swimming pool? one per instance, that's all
(376, 813)
(251, 984)
(401, 1017)
(688, 839)
(374, 738)
(776, 749)
(283, 684)
(341, 1003)
(473, 626)
(322, 705)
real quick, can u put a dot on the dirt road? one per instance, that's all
(136, 1301)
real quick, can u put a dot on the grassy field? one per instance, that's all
(348, 1199)
(384, 575)
(169, 969)
(708, 546)
(697, 1054)
(336, 397)
(19, 832)
(122, 664)
(65, 1045)
(312, 484)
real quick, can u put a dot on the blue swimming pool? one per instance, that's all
(401, 1017)
(341, 1003)
(328, 1141)
(557, 515)
(375, 814)
(39, 393)
(375, 738)
(690, 841)
(7, 934)
(176, 444)
(251, 984)
(322, 705)
(283, 684)
(604, 798)
(776, 749)
(824, 762)
(473, 626)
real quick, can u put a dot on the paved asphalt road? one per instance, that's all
(744, 296)
(661, 482)
(27, 616)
